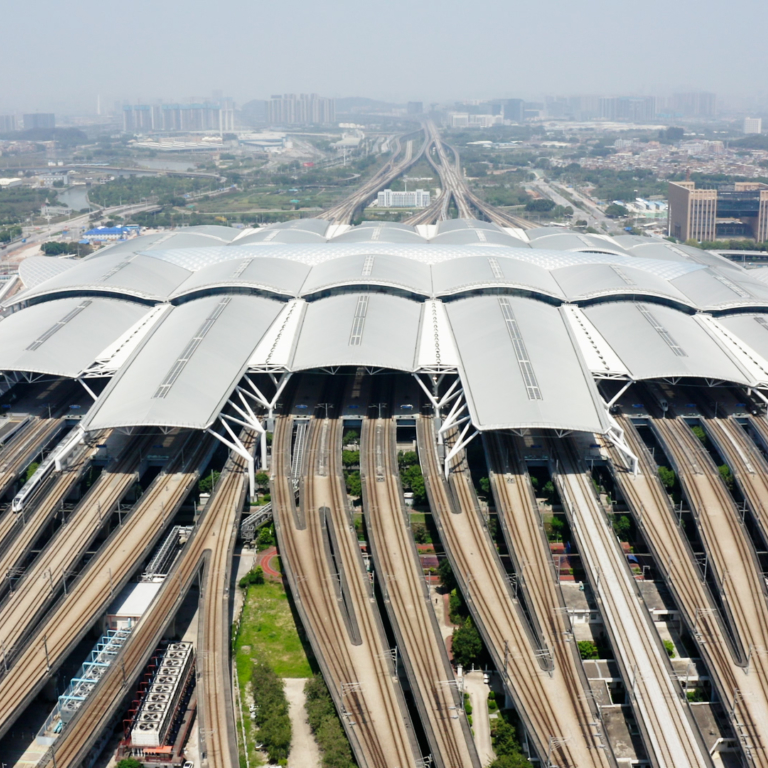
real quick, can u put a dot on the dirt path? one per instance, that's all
(304, 750)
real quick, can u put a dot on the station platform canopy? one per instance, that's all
(177, 318)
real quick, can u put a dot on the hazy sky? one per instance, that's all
(56, 53)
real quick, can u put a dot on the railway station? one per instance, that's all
(522, 356)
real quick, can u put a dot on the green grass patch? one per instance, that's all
(268, 633)
(268, 630)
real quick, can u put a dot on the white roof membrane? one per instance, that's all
(186, 368)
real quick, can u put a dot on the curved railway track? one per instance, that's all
(559, 723)
(100, 581)
(524, 535)
(356, 664)
(734, 561)
(212, 537)
(15, 457)
(675, 559)
(407, 599)
(42, 580)
(669, 734)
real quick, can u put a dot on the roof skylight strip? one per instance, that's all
(526, 368)
(662, 331)
(122, 265)
(495, 268)
(762, 321)
(244, 264)
(623, 275)
(368, 266)
(358, 322)
(57, 326)
(730, 284)
(186, 355)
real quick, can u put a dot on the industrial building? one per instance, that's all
(724, 211)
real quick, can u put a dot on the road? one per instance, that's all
(556, 715)
(658, 702)
(334, 598)
(683, 575)
(406, 598)
(90, 595)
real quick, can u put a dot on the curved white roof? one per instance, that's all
(64, 337)
(514, 320)
(186, 367)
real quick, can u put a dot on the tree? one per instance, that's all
(485, 485)
(467, 645)
(407, 459)
(130, 762)
(549, 492)
(588, 649)
(266, 537)
(507, 747)
(354, 484)
(556, 528)
(262, 480)
(727, 475)
(700, 433)
(208, 483)
(622, 526)
(445, 573)
(539, 205)
(350, 458)
(668, 478)
(616, 211)
(351, 436)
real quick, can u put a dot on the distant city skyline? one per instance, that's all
(454, 50)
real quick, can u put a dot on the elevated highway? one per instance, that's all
(407, 600)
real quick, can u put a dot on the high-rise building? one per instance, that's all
(301, 109)
(753, 125)
(44, 120)
(630, 108)
(145, 118)
(694, 104)
(415, 107)
(729, 210)
(7, 123)
(511, 109)
(399, 199)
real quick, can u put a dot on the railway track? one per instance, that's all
(556, 715)
(675, 559)
(322, 560)
(343, 212)
(16, 456)
(90, 595)
(218, 744)
(209, 543)
(43, 579)
(669, 734)
(734, 563)
(524, 535)
(407, 600)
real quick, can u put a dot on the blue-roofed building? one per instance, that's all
(108, 234)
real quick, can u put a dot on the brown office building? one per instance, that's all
(729, 210)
